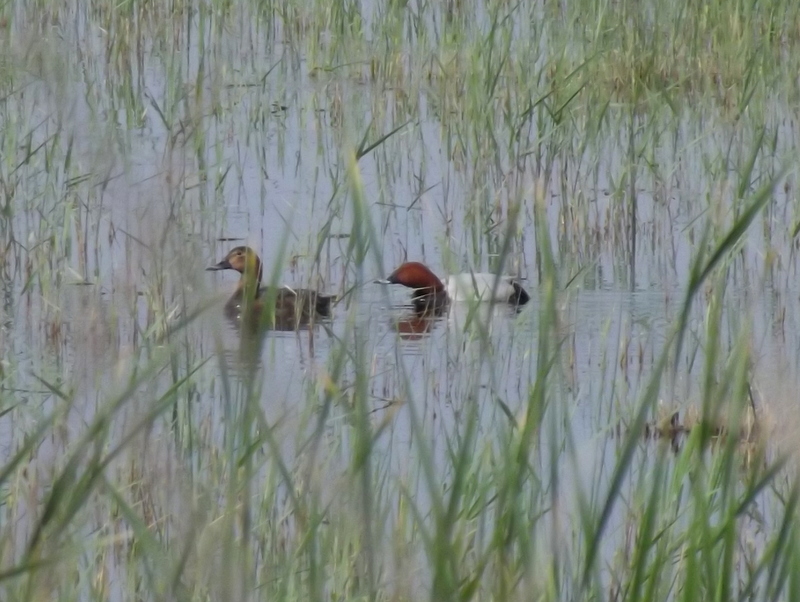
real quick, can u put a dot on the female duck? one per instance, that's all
(431, 293)
(292, 307)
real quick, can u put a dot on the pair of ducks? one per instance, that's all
(295, 307)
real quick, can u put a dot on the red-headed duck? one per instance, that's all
(430, 292)
(292, 307)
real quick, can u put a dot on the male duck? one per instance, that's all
(430, 293)
(292, 307)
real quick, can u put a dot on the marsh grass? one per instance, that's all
(576, 143)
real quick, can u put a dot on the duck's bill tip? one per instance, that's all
(222, 265)
(382, 281)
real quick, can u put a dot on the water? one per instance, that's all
(203, 155)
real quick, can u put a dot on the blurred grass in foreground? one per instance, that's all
(143, 502)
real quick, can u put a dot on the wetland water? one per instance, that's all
(134, 159)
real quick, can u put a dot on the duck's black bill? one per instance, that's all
(222, 265)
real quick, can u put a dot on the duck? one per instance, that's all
(293, 307)
(430, 293)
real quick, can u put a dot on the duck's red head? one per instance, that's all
(416, 275)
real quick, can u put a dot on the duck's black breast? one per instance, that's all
(428, 300)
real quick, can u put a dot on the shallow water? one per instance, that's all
(159, 203)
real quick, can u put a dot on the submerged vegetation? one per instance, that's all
(634, 160)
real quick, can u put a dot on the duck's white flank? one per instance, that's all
(466, 287)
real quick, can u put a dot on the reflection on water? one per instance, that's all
(413, 322)
(413, 325)
(139, 218)
(479, 354)
(473, 362)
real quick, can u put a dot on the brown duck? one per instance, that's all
(292, 307)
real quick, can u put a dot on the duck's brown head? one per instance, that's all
(242, 259)
(416, 275)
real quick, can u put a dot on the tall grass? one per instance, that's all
(151, 452)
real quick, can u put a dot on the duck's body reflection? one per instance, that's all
(415, 325)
